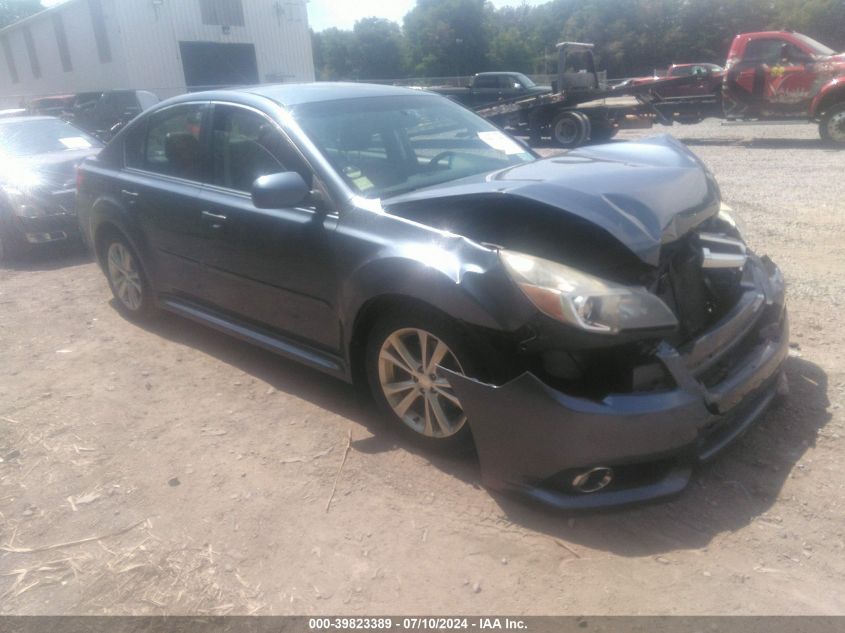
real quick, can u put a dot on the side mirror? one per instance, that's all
(277, 191)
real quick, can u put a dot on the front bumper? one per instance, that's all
(48, 228)
(532, 439)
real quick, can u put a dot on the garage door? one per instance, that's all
(211, 64)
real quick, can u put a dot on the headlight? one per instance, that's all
(584, 301)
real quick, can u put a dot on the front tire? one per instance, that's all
(127, 279)
(405, 357)
(832, 126)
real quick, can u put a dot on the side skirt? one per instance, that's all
(300, 352)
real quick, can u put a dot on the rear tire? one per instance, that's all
(127, 279)
(570, 129)
(832, 126)
(405, 355)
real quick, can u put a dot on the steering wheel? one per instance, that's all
(448, 154)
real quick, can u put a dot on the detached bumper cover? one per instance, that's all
(531, 437)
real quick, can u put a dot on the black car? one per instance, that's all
(38, 159)
(593, 322)
(103, 114)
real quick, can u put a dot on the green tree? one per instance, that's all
(378, 50)
(632, 37)
(13, 10)
(333, 52)
(447, 37)
(823, 20)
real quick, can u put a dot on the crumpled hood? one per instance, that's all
(644, 193)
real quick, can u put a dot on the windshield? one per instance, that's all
(817, 47)
(385, 146)
(41, 136)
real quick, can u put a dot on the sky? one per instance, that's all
(323, 14)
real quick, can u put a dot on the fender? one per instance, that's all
(832, 92)
(450, 273)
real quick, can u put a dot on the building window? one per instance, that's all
(10, 60)
(101, 36)
(222, 12)
(61, 42)
(33, 54)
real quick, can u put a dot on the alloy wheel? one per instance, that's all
(410, 372)
(124, 276)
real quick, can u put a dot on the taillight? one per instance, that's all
(80, 178)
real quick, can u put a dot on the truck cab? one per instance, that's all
(779, 73)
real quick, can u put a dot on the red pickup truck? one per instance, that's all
(786, 75)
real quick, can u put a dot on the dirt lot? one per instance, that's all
(168, 469)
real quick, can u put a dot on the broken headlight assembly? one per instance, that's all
(583, 301)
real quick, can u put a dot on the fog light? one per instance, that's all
(593, 480)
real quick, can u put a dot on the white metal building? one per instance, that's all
(166, 46)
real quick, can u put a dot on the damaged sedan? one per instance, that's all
(593, 323)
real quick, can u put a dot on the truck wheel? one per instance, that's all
(570, 129)
(832, 126)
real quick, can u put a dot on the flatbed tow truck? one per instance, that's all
(583, 106)
(774, 76)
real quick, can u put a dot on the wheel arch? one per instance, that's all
(109, 218)
(477, 301)
(831, 94)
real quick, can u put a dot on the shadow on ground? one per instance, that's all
(51, 257)
(724, 496)
(331, 394)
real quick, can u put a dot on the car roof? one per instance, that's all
(298, 94)
(764, 34)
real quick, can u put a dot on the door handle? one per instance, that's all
(215, 219)
(129, 194)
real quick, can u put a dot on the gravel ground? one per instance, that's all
(168, 469)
